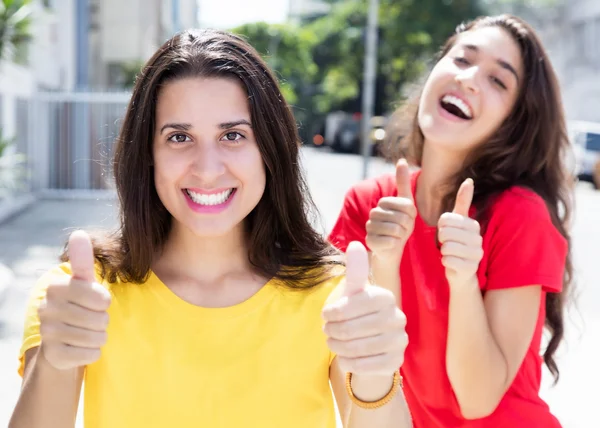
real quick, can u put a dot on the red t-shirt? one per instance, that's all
(521, 247)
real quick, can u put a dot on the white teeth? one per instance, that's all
(451, 99)
(213, 199)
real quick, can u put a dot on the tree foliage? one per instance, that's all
(287, 50)
(320, 61)
(15, 22)
(410, 32)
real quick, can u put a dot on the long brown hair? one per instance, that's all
(281, 239)
(528, 150)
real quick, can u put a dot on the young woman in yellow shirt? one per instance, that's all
(215, 303)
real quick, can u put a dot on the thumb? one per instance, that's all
(464, 198)
(357, 269)
(81, 256)
(403, 179)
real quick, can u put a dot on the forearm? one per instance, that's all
(476, 367)
(372, 388)
(386, 274)
(49, 397)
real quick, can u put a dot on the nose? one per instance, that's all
(208, 165)
(468, 78)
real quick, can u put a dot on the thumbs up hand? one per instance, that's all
(392, 221)
(73, 315)
(460, 239)
(364, 326)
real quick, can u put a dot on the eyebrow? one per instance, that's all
(187, 126)
(229, 125)
(505, 65)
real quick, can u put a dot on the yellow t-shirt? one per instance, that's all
(167, 363)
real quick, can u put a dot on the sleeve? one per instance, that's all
(525, 247)
(31, 333)
(351, 222)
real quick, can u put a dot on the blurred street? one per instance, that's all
(32, 242)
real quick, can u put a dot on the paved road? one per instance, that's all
(33, 241)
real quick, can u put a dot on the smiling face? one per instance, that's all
(208, 170)
(471, 90)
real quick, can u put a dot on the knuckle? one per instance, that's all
(43, 310)
(356, 348)
(342, 331)
(103, 302)
(375, 212)
(54, 292)
(102, 338)
(400, 318)
(90, 356)
(370, 242)
(45, 331)
(105, 319)
(49, 331)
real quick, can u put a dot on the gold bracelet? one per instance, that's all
(397, 383)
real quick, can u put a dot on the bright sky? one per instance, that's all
(231, 13)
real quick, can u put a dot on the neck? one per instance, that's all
(437, 167)
(206, 259)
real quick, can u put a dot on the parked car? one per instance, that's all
(347, 138)
(585, 137)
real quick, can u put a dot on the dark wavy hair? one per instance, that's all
(282, 242)
(529, 149)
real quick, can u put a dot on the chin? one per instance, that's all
(213, 228)
(442, 134)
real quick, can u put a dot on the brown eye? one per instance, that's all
(179, 138)
(233, 136)
(460, 60)
(498, 82)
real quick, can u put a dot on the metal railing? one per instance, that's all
(68, 138)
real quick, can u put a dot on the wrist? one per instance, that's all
(465, 287)
(390, 262)
(371, 388)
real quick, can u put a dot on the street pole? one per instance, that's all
(82, 144)
(176, 20)
(370, 76)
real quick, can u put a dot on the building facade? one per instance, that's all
(570, 32)
(124, 34)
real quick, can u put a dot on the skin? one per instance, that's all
(204, 141)
(488, 337)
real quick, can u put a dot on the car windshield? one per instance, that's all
(593, 142)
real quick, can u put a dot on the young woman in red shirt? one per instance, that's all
(478, 233)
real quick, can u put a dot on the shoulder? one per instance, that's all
(522, 216)
(316, 289)
(376, 187)
(364, 195)
(519, 205)
(521, 199)
(522, 243)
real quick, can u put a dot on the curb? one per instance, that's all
(12, 206)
